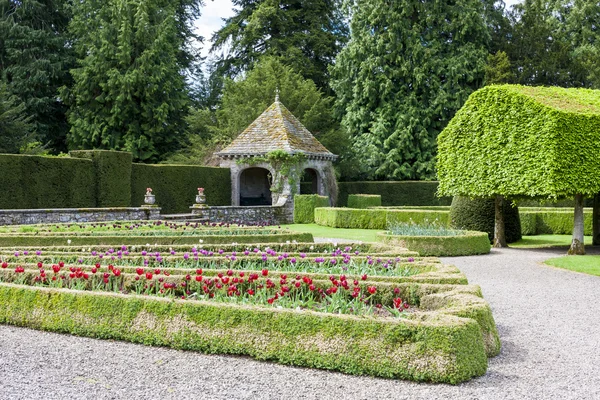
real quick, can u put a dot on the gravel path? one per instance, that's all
(548, 319)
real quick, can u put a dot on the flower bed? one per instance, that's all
(465, 244)
(361, 309)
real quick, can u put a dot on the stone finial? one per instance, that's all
(277, 94)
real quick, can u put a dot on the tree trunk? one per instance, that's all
(499, 234)
(596, 217)
(577, 247)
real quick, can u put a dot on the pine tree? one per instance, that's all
(409, 66)
(129, 91)
(35, 62)
(15, 126)
(498, 69)
(305, 34)
(583, 29)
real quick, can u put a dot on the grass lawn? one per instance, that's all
(539, 241)
(586, 264)
(364, 235)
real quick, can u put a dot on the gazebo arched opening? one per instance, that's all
(310, 182)
(255, 187)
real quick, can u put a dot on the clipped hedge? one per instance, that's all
(377, 218)
(471, 243)
(364, 200)
(395, 193)
(540, 221)
(304, 207)
(479, 215)
(46, 182)
(438, 346)
(113, 176)
(175, 186)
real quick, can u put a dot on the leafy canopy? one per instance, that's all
(520, 141)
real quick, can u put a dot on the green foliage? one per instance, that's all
(417, 216)
(409, 66)
(437, 347)
(129, 92)
(542, 221)
(175, 186)
(15, 127)
(479, 215)
(402, 193)
(112, 176)
(304, 34)
(377, 218)
(304, 207)
(582, 28)
(498, 69)
(466, 244)
(364, 200)
(46, 182)
(519, 141)
(34, 63)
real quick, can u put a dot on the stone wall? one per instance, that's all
(257, 214)
(74, 215)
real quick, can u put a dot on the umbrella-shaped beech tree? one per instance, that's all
(517, 141)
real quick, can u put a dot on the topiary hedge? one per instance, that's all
(467, 244)
(175, 186)
(113, 176)
(395, 193)
(46, 182)
(478, 215)
(448, 344)
(377, 218)
(553, 221)
(304, 207)
(364, 200)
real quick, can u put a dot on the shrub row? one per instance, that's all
(95, 178)
(440, 346)
(364, 200)
(539, 221)
(399, 193)
(304, 207)
(377, 218)
(470, 243)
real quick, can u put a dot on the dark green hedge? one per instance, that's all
(471, 243)
(552, 221)
(364, 200)
(304, 207)
(479, 215)
(175, 186)
(395, 193)
(46, 182)
(113, 176)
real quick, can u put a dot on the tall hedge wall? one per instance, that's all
(175, 186)
(398, 193)
(113, 176)
(46, 182)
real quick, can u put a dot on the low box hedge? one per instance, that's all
(364, 200)
(377, 218)
(304, 207)
(470, 243)
(444, 344)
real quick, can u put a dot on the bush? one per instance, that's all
(552, 221)
(351, 218)
(479, 215)
(113, 176)
(364, 200)
(46, 182)
(395, 193)
(304, 207)
(467, 244)
(175, 186)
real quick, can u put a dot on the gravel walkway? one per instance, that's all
(549, 323)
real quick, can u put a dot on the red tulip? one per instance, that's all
(148, 275)
(139, 271)
(4, 264)
(265, 272)
(372, 289)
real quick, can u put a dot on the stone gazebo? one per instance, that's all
(268, 160)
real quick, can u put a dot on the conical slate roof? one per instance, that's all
(276, 129)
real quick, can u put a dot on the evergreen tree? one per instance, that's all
(409, 66)
(305, 34)
(34, 62)
(129, 90)
(498, 70)
(15, 126)
(583, 28)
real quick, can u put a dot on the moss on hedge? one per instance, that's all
(364, 200)
(470, 243)
(435, 346)
(304, 207)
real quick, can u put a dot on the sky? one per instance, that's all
(215, 10)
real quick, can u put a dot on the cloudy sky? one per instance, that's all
(214, 11)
